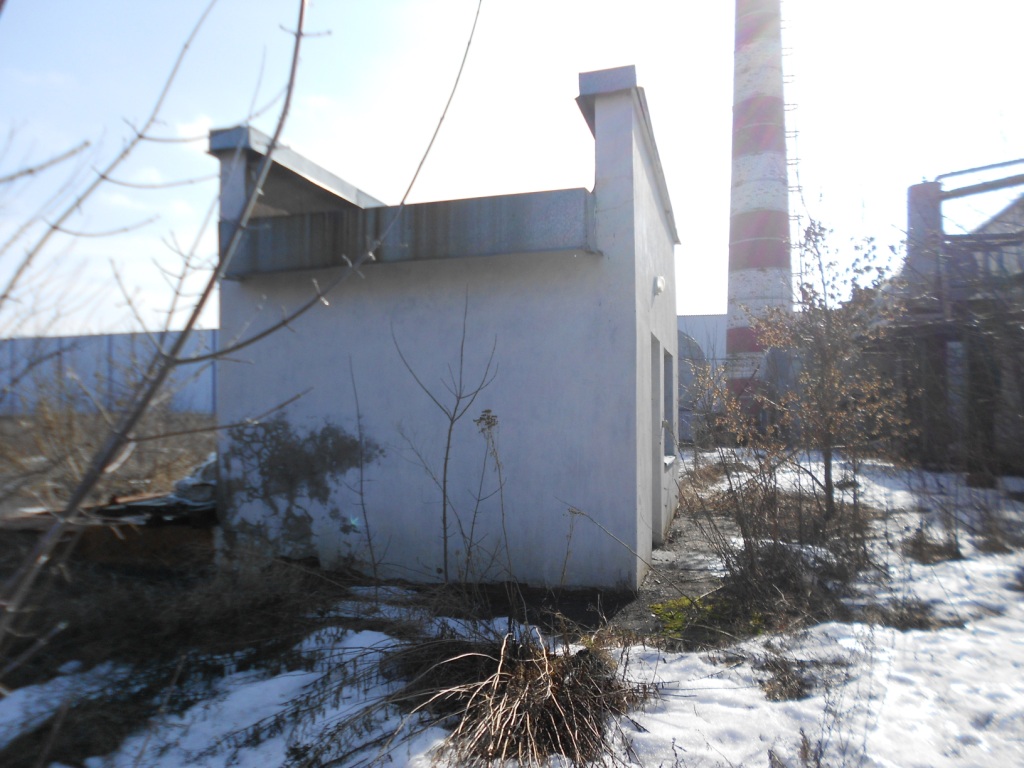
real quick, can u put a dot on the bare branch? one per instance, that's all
(17, 587)
(161, 184)
(412, 372)
(221, 427)
(132, 307)
(462, 400)
(369, 255)
(32, 170)
(79, 199)
(108, 233)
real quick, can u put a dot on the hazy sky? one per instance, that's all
(884, 93)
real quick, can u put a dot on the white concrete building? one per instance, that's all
(562, 303)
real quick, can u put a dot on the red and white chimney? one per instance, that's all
(760, 275)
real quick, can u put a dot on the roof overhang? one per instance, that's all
(534, 223)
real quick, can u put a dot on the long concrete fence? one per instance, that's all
(99, 373)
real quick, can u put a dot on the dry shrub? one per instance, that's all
(905, 614)
(45, 453)
(513, 698)
(786, 563)
(923, 547)
(141, 615)
(175, 630)
(782, 590)
(1017, 585)
(997, 536)
(786, 585)
(784, 679)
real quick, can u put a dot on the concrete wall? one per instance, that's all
(654, 301)
(93, 372)
(580, 341)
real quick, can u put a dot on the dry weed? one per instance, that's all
(175, 630)
(925, 548)
(513, 698)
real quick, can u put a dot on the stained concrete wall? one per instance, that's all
(580, 340)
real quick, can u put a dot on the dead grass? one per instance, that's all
(134, 614)
(701, 474)
(906, 614)
(1017, 585)
(175, 631)
(997, 536)
(925, 548)
(504, 692)
(512, 698)
(786, 679)
(44, 454)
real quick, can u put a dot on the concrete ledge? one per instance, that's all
(607, 80)
(537, 222)
(603, 81)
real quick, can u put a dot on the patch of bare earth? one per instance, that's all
(682, 565)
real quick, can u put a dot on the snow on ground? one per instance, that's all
(27, 707)
(952, 696)
(947, 697)
(204, 736)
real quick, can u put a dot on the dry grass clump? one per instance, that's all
(1017, 585)
(925, 548)
(513, 698)
(506, 698)
(705, 473)
(907, 613)
(784, 679)
(998, 536)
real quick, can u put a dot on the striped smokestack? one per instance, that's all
(759, 265)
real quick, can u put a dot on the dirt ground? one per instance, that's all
(680, 567)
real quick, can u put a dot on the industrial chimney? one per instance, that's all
(760, 275)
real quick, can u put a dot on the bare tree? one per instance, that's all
(841, 399)
(122, 434)
(119, 438)
(462, 393)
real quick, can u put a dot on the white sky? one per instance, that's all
(890, 94)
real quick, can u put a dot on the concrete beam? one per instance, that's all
(537, 222)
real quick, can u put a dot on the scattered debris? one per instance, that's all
(155, 529)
